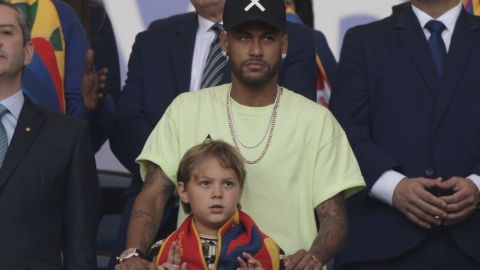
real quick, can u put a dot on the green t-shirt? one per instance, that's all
(308, 162)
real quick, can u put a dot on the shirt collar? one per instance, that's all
(14, 103)
(204, 25)
(449, 18)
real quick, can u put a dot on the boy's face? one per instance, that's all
(213, 194)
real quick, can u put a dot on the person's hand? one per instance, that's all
(420, 206)
(302, 260)
(136, 263)
(462, 202)
(248, 262)
(174, 260)
(94, 84)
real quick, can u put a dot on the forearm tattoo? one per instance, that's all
(148, 228)
(156, 176)
(333, 228)
(143, 219)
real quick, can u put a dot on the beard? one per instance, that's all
(255, 81)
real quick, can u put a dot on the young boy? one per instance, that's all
(216, 234)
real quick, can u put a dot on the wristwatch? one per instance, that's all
(130, 253)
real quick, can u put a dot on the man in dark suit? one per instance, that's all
(406, 93)
(398, 9)
(48, 184)
(167, 60)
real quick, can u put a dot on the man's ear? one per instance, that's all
(182, 192)
(224, 42)
(28, 53)
(284, 43)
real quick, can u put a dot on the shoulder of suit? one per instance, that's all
(298, 32)
(374, 27)
(474, 17)
(65, 120)
(172, 21)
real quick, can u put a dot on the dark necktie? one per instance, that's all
(437, 46)
(3, 136)
(213, 71)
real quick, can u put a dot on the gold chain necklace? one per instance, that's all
(270, 128)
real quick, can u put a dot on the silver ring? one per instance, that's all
(437, 217)
(315, 258)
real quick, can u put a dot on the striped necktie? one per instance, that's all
(213, 71)
(3, 135)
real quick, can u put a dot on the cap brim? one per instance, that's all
(246, 20)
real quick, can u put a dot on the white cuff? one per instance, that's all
(384, 187)
(475, 179)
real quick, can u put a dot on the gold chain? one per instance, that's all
(234, 134)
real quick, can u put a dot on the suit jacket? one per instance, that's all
(399, 114)
(159, 69)
(48, 194)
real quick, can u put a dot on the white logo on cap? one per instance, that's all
(255, 3)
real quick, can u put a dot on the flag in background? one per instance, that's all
(43, 79)
(324, 89)
(472, 6)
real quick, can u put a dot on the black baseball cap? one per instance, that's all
(271, 12)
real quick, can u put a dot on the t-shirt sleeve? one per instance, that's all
(336, 168)
(162, 146)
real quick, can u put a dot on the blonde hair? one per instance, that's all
(226, 155)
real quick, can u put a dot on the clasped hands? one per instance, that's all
(174, 261)
(300, 260)
(412, 198)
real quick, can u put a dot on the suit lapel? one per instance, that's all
(463, 41)
(410, 33)
(183, 44)
(28, 126)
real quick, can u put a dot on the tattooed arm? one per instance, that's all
(330, 239)
(146, 215)
(333, 228)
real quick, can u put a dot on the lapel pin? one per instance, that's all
(28, 129)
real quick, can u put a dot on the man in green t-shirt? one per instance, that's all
(298, 158)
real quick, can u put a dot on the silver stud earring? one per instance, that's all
(224, 53)
(284, 55)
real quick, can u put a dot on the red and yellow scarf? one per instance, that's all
(240, 234)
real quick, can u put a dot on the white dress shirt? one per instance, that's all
(385, 185)
(14, 104)
(449, 19)
(203, 40)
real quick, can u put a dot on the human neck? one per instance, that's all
(435, 8)
(8, 87)
(254, 97)
(205, 230)
(212, 14)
